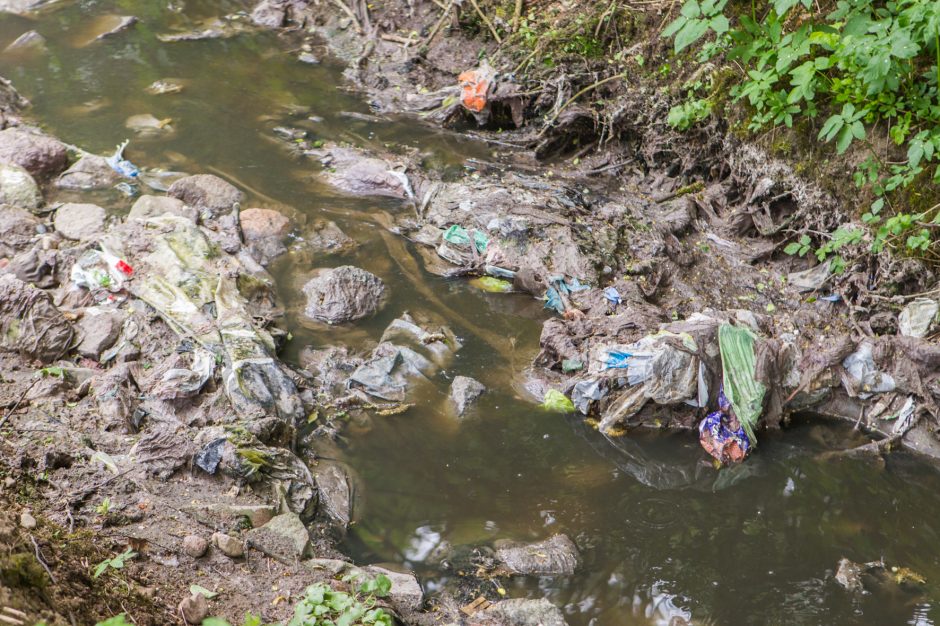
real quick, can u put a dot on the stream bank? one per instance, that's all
(159, 417)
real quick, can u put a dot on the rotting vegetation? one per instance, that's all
(644, 236)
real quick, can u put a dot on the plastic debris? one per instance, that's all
(209, 457)
(121, 165)
(499, 272)
(556, 296)
(831, 298)
(455, 245)
(30, 323)
(100, 271)
(571, 365)
(475, 86)
(585, 392)
(179, 383)
(613, 296)
(557, 401)
(916, 318)
(860, 365)
(743, 390)
(493, 285)
(719, 436)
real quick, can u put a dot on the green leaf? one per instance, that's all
(691, 9)
(844, 140)
(792, 248)
(674, 26)
(719, 24)
(690, 33)
(194, 589)
(383, 585)
(782, 6)
(215, 621)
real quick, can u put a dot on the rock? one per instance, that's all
(21, 7)
(257, 514)
(40, 155)
(522, 612)
(155, 206)
(195, 546)
(284, 537)
(18, 188)
(89, 172)
(325, 236)
(917, 317)
(146, 125)
(164, 86)
(463, 391)
(849, 575)
(99, 329)
(343, 294)
(194, 609)
(335, 494)
(18, 228)
(266, 13)
(30, 41)
(205, 191)
(309, 58)
(353, 173)
(264, 231)
(406, 594)
(556, 556)
(230, 546)
(108, 25)
(36, 266)
(30, 324)
(79, 221)
(27, 520)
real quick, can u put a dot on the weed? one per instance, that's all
(116, 562)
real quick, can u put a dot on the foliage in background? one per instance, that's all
(859, 66)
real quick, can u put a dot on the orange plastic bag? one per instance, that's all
(475, 85)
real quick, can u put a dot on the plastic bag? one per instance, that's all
(738, 362)
(557, 401)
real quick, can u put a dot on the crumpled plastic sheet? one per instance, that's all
(738, 364)
(559, 286)
(917, 317)
(456, 248)
(180, 383)
(719, 439)
(860, 366)
(613, 296)
(585, 392)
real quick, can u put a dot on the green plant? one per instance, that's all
(695, 20)
(324, 606)
(116, 562)
(104, 507)
(117, 620)
(686, 114)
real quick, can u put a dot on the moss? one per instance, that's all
(22, 570)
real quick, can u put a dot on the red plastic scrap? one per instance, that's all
(124, 268)
(475, 85)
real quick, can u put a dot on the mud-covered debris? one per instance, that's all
(18, 229)
(812, 279)
(230, 546)
(185, 382)
(917, 317)
(91, 171)
(864, 377)
(210, 455)
(148, 206)
(336, 494)
(284, 537)
(555, 556)
(30, 324)
(207, 192)
(195, 546)
(464, 391)
(343, 294)
(116, 395)
(40, 155)
(17, 187)
(35, 266)
(80, 221)
(162, 450)
(521, 612)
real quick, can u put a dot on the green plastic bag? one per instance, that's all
(458, 236)
(493, 285)
(744, 392)
(557, 401)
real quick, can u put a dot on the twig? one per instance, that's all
(486, 21)
(554, 117)
(350, 14)
(17, 403)
(606, 168)
(439, 23)
(516, 15)
(41, 560)
(405, 41)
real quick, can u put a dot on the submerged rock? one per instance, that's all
(91, 171)
(351, 172)
(326, 237)
(205, 191)
(147, 125)
(79, 221)
(155, 206)
(28, 42)
(522, 612)
(108, 25)
(18, 188)
(556, 556)
(343, 294)
(464, 391)
(335, 494)
(40, 155)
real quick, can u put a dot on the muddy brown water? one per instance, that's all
(663, 533)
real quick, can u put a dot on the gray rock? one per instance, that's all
(326, 237)
(330, 567)
(155, 206)
(463, 391)
(353, 173)
(230, 546)
(284, 537)
(555, 556)
(522, 612)
(195, 546)
(22, 7)
(79, 221)
(264, 231)
(406, 594)
(89, 172)
(18, 228)
(99, 329)
(268, 14)
(27, 520)
(343, 294)
(30, 41)
(40, 155)
(194, 609)
(205, 191)
(30, 324)
(18, 188)
(335, 493)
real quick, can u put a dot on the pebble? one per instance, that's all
(195, 546)
(230, 546)
(195, 608)
(27, 520)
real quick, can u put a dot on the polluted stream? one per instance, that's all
(665, 537)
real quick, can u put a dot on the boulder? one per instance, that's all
(79, 221)
(40, 155)
(208, 192)
(99, 329)
(264, 231)
(269, 14)
(30, 324)
(522, 612)
(18, 228)
(284, 537)
(18, 188)
(555, 556)
(155, 206)
(335, 494)
(464, 391)
(91, 171)
(343, 294)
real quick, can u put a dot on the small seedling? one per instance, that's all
(104, 507)
(116, 562)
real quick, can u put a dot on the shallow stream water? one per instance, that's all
(663, 533)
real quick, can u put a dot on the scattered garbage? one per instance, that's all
(916, 318)
(121, 165)
(180, 383)
(475, 86)
(865, 378)
(102, 273)
(556, 296)
(455, 246)
(30, 323)
(491, 284)
(744, 392)
(557, 401)
(812, 279)
(613, 296)
(721, 434)
(585, 392)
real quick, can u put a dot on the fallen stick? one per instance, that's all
(486, 21)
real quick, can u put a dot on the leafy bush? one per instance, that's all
(324, 606)
(859, 63)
